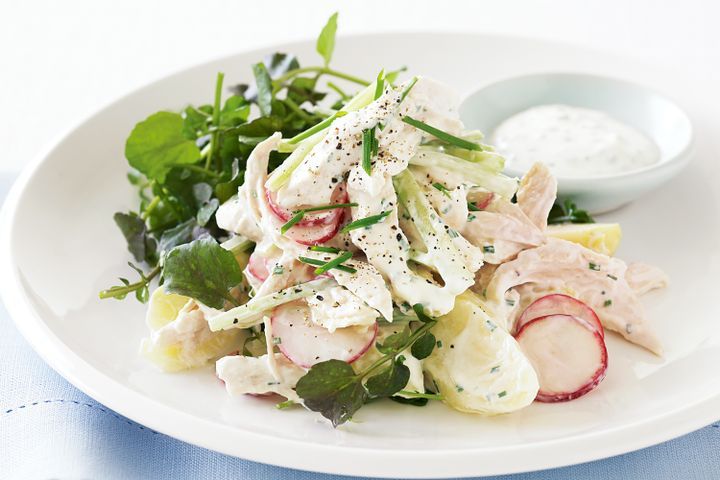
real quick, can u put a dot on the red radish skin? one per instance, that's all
(317, 234)
(482, 203)
(560, 304)
(568, 355)
(257, 266)
(326, 217)
(306, 344)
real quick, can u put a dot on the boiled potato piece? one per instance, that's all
(477, 366)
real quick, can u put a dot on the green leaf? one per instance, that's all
(235, 111)
(568, 212)
(302, 89)
(332, 388)
(135, 233)
(394, 342)
(264, 89)
(280, 63)
(202, 270)
(195, 123)
(389, 381)
(206, 211)
(326, 40)
(157, 144)
(177, 235)
(416, 402)
(423, 346)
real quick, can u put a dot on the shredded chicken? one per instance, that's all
(593, 278)
(536, 195)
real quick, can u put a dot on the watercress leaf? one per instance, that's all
(202, 193)
(235, 111)
(393, 342)
(280, 63)
(206, 211)
(195, 123)
(389, 381)
(333, 389)
(202, 270)
(302, 89)
(568, 212)
(423, 346)
(180, 234)
(264, 89)
(135, 233)
(157, 144)
(415, 402)
(260, 127)
(326, 40)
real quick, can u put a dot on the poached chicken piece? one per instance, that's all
(596, 279)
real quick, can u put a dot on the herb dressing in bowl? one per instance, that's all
(573, 142)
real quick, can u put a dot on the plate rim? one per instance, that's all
(259, 447)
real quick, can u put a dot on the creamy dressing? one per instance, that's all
(573, 142)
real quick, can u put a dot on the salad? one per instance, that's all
(331, 253)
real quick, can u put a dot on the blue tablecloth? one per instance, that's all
(49, 429)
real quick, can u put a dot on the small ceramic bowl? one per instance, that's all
(647, 111)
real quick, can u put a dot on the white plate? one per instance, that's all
(59, 246)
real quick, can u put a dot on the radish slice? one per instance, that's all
(325, 217)
(315, 234)
(258, 268)
(568, 355)
(306, 344)
(560, 304)
(483, 200)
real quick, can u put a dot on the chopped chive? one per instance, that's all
(607, 303)
(594, 266)
(408, 88)
(318, 248)
(439, 344)
(301, 213)
(329, 207)
(277, 340)
(489, 249)
(379, 84)
(365, 222)
(440, 135)
(612, 276)
(442, 188)
(334, 263)
(471, 218)
(495, 369)
(278, 270)
(459, 388)
(293, 220)
(325, 266)
(472, 207)
(317, 128)
(510, 302)
(367, 144)
(502, 394)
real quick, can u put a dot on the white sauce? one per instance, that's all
(573, 142)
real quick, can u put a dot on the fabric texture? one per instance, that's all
(49, 429)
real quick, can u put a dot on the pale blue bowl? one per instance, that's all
(651, 113)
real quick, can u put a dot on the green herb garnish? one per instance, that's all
(594, 266)
(300, 214)
(336, 391)
(441, 135)
(442, 188)
(334, 263)
(607, 303)
(567, 212)
(365, 222)
(488, 248)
